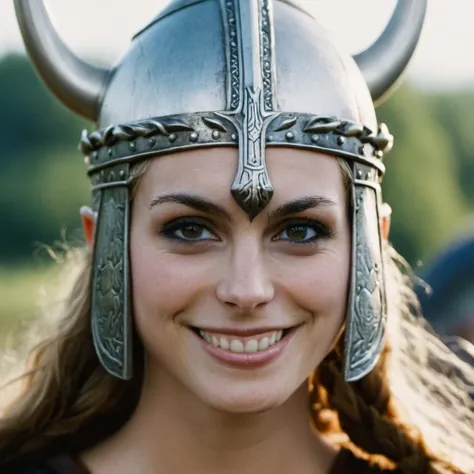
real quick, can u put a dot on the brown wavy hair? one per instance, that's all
(67, 402)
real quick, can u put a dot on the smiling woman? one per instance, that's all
(239, 307)
(234, 294)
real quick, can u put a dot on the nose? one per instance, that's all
(245, 284)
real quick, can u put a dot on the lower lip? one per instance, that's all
(246, 359)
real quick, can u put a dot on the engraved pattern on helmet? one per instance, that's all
(110, 320)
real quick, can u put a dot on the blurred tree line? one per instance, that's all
(43, 181)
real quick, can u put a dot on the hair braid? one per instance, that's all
(369, 428)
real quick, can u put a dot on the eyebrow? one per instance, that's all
(299, 205)
(196, 202)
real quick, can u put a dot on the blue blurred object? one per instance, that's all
(449, 300)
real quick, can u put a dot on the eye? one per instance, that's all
(298, 233)
(303, 232)
(188, 231)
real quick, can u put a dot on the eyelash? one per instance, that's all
(169, 230)
(322, 232)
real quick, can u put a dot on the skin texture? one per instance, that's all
(236, 274)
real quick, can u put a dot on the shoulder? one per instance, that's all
(346, 462)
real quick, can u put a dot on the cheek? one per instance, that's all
(320, 284)
(164, 283)
(160, 283)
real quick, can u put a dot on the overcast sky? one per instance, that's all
(103, 28)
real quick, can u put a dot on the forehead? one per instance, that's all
(211, 171)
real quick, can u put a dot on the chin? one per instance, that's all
(243, 398)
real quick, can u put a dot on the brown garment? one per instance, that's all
(345, 463)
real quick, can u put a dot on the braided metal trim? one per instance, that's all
(266, 31)
(134, 141)
(233, 55)
(382, 141)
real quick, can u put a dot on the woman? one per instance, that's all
(240, 309)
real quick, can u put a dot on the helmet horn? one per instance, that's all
(79, 85)
(384, 62)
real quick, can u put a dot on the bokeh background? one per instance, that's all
(430, 178)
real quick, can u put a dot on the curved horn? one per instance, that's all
(384, 62)
(79, 85)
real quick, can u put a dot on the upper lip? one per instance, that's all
(243, 332)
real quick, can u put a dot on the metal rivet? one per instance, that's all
(132, 146)
(359, 174)
(379, 154)
(110, 152)
(172, 138)
(290, 135)
(122, 174)
(95, 155)
(152, 142)
(315, 138)
(269, 138)
(368, 175)
(193, 137)
(233, 136)
(341, 140)
(216, 134)
(111, 176)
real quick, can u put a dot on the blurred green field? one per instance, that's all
(21, 289)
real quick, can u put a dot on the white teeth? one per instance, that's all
(263, 344)
(251, 346)
(224, 343)
(236, 346)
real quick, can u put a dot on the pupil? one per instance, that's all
(192, 231)
(297, 233)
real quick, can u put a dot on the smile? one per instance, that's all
(249, 345)
(245, 350)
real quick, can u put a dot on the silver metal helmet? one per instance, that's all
(245, 73)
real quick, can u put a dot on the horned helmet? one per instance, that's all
(250, 74)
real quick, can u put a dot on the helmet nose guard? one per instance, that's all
(260, 73)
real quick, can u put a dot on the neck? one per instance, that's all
(172, 431)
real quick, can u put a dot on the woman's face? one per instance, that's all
(239, 313)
